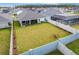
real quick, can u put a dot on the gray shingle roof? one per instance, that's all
(51, 11)
(5, 17)
(29, 15)
(2, 19)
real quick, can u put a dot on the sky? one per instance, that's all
(14, 4)
(10, 4)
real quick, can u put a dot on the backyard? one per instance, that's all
(4, 41)
(33, 36)
(74, 46)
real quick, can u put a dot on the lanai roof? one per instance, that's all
(66, 16)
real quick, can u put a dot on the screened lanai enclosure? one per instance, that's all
(68, 19)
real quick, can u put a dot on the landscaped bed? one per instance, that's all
(74, 46)
(33, 36)
(4, 41)
(56, 52)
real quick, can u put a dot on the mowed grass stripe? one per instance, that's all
(4, 41)
(74, 46)
(36, 35)
(76, 26)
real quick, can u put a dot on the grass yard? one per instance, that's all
(76, 26)
(77, 12)
(4, 41)
(56, 52)
(33, 36)
(74, 46)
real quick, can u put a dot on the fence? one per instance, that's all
(52, 46)
(42, 49)
(69, 38)
(62, 48)
(11, 41)
(65, 27)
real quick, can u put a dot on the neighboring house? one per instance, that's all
(68, 18)
(75, 9)
(20, 10)
(38, 10)
(5, 20)
(30, 17)
(50, 12)
(6, 10)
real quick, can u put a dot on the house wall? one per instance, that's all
(42, 19)
(4, 25)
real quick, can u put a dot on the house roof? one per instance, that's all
(29, 15)
(5, 17)
(18, 10)
(2, 19)
(51, 11)
(66, 16)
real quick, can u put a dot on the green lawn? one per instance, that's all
(56, 52)
(77, 12)
(74, 46)
(76, 26)
(33, 36)
(4, 41)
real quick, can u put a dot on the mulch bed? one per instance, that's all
(14, 43)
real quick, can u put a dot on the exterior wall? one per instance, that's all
(4, 25)
(42, 49)
(62, 48)
(42, 19)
